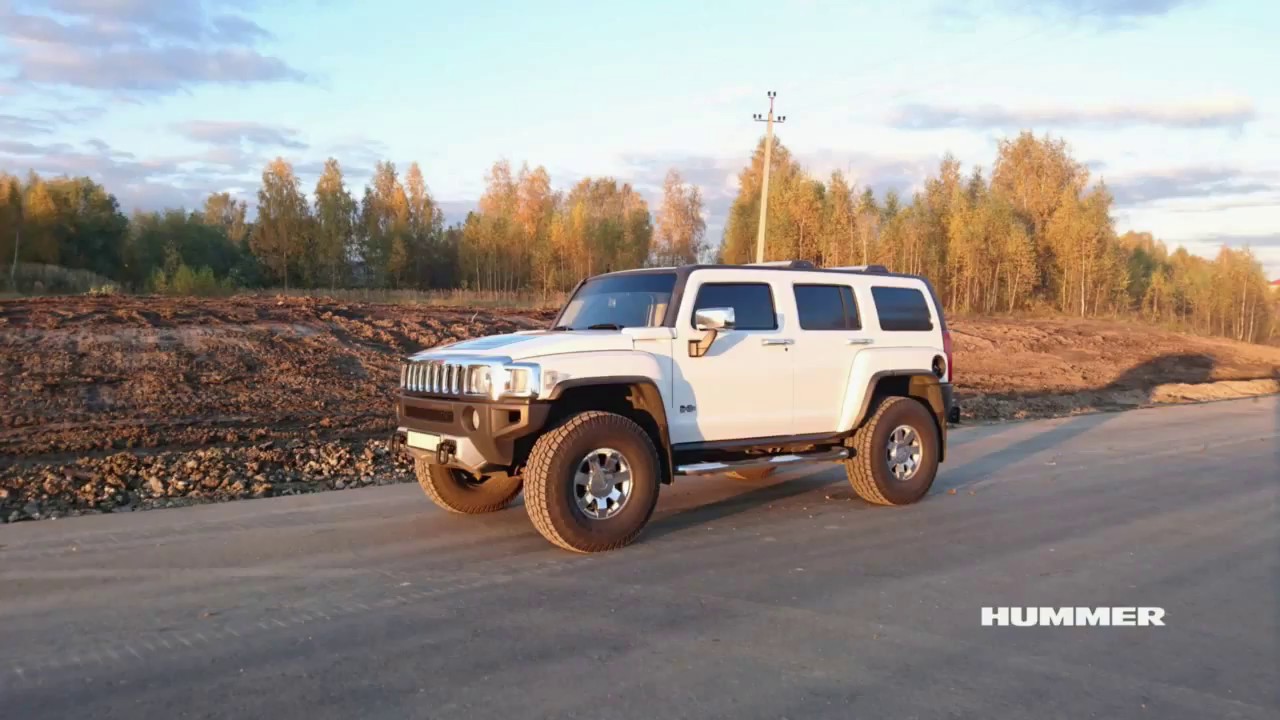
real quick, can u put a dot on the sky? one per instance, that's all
(1174, 104)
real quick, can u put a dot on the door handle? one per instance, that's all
(777, 341)
(860, 341)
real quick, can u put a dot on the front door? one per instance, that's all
(741, 388)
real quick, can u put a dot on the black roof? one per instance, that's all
(793, 266)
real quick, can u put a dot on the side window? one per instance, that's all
(901, 309)
(826, 307)
(851, 315)
(752, 303)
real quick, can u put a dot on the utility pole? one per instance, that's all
(764, 185)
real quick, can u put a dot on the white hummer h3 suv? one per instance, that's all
(652, 374)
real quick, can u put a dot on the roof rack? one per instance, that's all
(800, 264)
(877, 269)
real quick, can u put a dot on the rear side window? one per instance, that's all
(901, 309)
(752, 304)
(826, 307)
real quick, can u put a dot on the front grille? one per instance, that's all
(437, 377)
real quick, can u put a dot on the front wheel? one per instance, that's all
(461, 492)
(895, 453)
(591, 484)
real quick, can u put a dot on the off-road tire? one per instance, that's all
(868, 468)
(549, 492)
(448, 488)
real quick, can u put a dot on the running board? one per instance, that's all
(711, 468)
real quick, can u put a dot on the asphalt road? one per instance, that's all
(780, 598)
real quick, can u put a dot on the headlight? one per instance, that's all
(518, 380)
(479, 380)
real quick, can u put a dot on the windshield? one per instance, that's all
(617, 301)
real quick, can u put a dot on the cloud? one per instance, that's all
(455, 211)
(230, 132)
(11, 125)
(1189, 182)
(153, 70)
(1105, 14)
(22, 147)
(236, 29)
(1097, 14)
(137, 45)
(1232, 113)
(183, 20)
(185, 180)
(1258, 240)
(1119, 9)
(149, 184)
(1265, 247)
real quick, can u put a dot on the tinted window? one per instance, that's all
(826, 307)
(752, 304)
(901, 309)
(850, 308)
(628, 300)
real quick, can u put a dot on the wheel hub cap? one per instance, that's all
(904, 452)
(602, 483)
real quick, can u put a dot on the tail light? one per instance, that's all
(946, 350)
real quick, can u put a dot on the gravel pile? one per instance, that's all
(125, 482)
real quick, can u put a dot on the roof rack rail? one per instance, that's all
(805, 264)
(877, 269)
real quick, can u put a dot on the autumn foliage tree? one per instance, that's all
(334, 221)
(279, 232)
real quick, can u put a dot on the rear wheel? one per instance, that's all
(592, 483)
(459, 491)
(895, 453)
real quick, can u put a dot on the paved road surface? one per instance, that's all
(769, 599)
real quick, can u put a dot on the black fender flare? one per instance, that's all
(644, 395)
(922, 385)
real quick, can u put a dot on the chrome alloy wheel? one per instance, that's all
(904, 452)
(602, 483)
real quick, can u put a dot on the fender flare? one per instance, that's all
(924, 386)
(644, 395)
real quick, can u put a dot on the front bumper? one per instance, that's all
(477, 435)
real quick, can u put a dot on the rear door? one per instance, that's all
(741, 388)
(829, 337)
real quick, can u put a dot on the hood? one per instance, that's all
(530, 344)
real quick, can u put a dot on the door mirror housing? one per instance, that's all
(714, 321)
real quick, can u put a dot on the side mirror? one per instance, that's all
(714, 318)
(714, 321)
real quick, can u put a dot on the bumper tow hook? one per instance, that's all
(445, 451)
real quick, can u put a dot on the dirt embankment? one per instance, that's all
(1012, 369)
(110, 404)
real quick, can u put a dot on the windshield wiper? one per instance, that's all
(559, 328)
(604, 326)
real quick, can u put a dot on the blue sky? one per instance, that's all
(1174, 103)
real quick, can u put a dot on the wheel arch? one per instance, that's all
(636, 397)
(918, 384)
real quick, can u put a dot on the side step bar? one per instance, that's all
(711, 468)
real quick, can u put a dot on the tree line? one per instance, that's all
(1036, 233)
